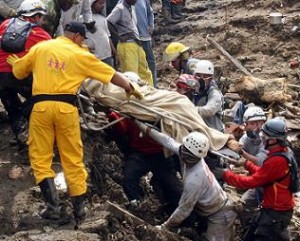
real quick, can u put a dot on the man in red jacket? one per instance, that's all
(142, 155)
(274, 176)
(18, 35)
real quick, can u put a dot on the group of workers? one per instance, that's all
(58, 67)
(264, 148)
(48, 73)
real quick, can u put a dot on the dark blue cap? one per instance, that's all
(76, 27)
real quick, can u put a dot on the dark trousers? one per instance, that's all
(269, 225)
(147, 46)
(164, 181)
(10, 87)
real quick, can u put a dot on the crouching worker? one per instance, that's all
(59, 67)
(201, 191)
(142, 155)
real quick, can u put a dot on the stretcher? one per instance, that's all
(174, 113)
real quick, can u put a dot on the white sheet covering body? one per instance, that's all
(179, 108)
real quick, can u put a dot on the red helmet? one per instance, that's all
(186, 83)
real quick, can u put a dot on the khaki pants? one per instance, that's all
(220, 225)
(133, 58)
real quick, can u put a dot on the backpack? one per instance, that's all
(15, 36)
(293, 170)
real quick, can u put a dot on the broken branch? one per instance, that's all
(227, 55)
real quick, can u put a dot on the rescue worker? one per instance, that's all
(272, 220)
(210, 102)
(30, 13)
(187, 85)
(141, 156)
(122, 22)
(168, 12)
(59, 66)
(145, 25)
(50, 21)
(179, 56)
(80, 9)
(252, 149)
(201, 191)
(176, 8)
(99, 42)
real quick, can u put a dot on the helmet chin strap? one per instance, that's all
(267, 145)
(188, 157)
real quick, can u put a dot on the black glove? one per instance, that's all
(218, 172)
(91, 26)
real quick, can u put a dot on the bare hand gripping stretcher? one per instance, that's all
(175, 113)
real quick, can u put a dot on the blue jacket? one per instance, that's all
(145, 19)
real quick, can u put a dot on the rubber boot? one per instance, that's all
(175, 11)
(167, 16)
(48, 190)
(78, 205)
(179, 10)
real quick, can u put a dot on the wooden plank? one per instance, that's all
(122, 214)
(228, 56)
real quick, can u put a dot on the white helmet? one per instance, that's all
(191, 65)
(254, 113)
(29, 8)
(134, 77)
(204, 67)
(197, 143)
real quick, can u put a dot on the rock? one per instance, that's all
(16, 173)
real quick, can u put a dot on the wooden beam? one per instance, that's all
(227, 55)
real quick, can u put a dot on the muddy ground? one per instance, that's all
(239, 26)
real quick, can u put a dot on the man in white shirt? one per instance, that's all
(99, 42)
(201, 190)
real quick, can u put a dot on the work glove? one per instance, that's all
(12, 13)
(162, 227)
(232, 143)
(219, 172)
(91, 26)
(135, 93)
(240, 163)
(11, 59)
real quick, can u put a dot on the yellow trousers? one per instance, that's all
(52, 121)
(133, 58)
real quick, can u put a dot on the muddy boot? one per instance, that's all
(48, 189)
(179, 11)
(78, 205)
(22, 136)
(167, 16)
(175, 11)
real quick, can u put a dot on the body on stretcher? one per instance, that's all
(174, 113)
